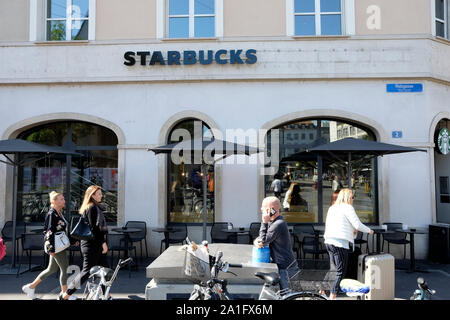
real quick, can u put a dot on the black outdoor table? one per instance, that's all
(126, 232)
(166, 231)
(40, 230)
(378, 231)
(237, 231)
(412, 258)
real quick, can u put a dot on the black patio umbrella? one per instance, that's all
(214, 147)
(16, 147)
(348, 149)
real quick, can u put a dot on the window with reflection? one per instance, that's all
(67, 20)
(71, 175)
(442, 14)
(185, 188)
(305, 183)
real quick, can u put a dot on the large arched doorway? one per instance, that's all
(184, 179)
(70, 175)
(305, 198)
(442, 170)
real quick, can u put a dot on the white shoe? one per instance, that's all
(73, 298)
(28, 291)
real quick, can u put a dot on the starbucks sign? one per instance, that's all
(443, 142)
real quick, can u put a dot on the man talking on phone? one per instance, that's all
(274, 233)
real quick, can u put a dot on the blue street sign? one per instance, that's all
(404, 87)
(397, 134)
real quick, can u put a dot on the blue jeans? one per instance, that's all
(286, 274)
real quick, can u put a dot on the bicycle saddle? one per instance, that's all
(98, 270)
(271, 278)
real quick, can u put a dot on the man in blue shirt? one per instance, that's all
(274, 233)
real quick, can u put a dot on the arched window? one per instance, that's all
(303, 198)
(185, 193)
(70, 175)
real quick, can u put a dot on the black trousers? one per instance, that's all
(338, 261)
(92, 256)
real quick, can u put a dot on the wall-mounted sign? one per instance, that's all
(443, 142)
(404, 87)
(397, 134)
(190, 57)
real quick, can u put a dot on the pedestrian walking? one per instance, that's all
(56, 243)
(93, 251)
(340, 227)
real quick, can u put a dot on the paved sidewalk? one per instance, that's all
(134, 288)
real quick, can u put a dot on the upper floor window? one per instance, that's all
(191, 18)
(442, 11)
(318, 17)
(67, 20)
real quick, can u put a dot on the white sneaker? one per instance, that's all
(73, 297)
(28, 291)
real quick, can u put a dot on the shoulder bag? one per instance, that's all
(82, 230)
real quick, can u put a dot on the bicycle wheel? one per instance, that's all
(305, 296)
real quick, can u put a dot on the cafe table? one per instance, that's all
(236, 231)
(167, 231)
(412, 260)
(378, 231)
(127, 232)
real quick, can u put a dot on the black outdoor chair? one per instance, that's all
(116, 242)
(360, 241)
(254, 231)
(178, 236)
(7, 233)
(139, 236)
(305, 242)
(31, 242)
(396, 237)
(219, 236)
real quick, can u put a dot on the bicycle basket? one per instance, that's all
(314, 275)
(195, 269)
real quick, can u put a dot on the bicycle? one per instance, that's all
(423, 293)
(102, 276)
(209, 287)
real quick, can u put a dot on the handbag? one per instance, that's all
(62, 242)
(82, 231)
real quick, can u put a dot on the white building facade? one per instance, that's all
(247, 75)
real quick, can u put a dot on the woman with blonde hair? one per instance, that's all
(93, 251)
(340, 225)
(54, 223)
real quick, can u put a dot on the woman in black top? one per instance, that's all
(93, 251)
(54, 223)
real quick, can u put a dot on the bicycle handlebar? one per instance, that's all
(125, 262)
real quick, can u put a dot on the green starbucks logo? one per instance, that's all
(443, 141)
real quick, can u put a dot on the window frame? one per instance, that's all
(435, 20)
(348, 24)
(163, 17)
(169, 221)
(38, 22)
(320, 203)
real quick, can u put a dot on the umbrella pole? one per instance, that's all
(349, 171)
(205, 190)
(14, 209)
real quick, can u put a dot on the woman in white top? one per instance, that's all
(341, 226)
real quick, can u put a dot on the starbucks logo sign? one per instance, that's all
(443, 141)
